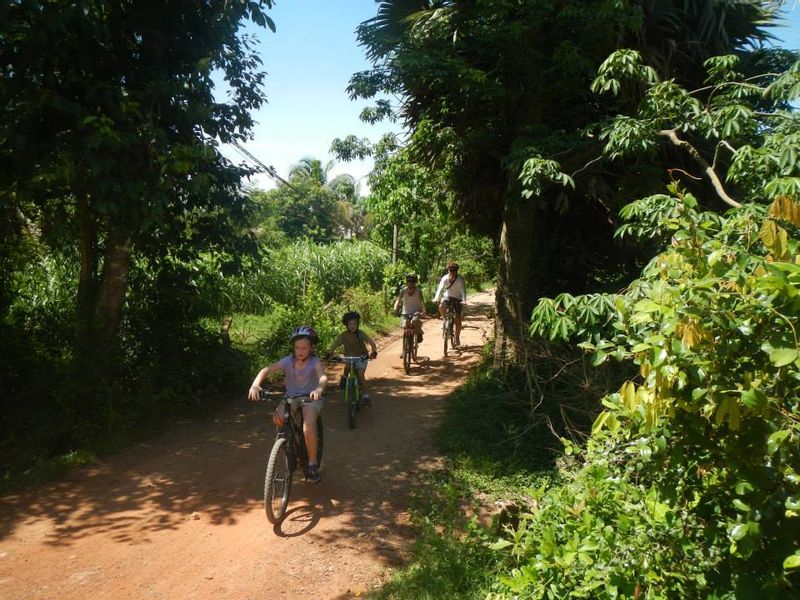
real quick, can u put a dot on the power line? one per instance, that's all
(268, 169)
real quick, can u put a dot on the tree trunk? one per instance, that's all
(87, 281)
(513, 301)
(113, 285)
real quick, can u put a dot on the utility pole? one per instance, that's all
(394, 244)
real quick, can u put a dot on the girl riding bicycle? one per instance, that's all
(304, 375)
(410, 299)
(355, 343)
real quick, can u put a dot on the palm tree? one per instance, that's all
(334, 200)
(311, 170)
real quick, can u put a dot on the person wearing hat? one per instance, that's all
(355, 343)
(452, 290)
(410, 299)
(305, 380)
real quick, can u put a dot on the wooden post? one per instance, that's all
(394, 244)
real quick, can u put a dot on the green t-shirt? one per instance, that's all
(355, 344)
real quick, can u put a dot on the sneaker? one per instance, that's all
(313, 474)
(365, 401)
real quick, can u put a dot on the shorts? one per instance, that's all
(416, 322)
(455, 302)
(314, 404)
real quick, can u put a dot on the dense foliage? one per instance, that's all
(496, 98)
(689, 483)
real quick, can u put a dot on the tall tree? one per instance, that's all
(110, 131)
(314, 206)
(496, 94)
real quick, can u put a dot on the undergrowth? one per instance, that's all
(500, 436)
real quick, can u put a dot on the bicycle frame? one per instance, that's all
(448, 324)
(410, 344)
(352, 388)
(288, 452)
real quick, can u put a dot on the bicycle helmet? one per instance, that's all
(411, 277)
(304, 331)
(452, 266)
(349, 316)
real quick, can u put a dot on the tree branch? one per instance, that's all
(709, 171)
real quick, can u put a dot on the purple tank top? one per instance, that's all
(299, 381)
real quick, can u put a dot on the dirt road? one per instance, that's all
(182, 517)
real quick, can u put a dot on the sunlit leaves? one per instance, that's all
(536, 171)
(622, 65)
(712, 324)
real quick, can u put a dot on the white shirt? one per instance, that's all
(412, 303)
(457, 290)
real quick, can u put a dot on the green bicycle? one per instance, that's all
(352, 389)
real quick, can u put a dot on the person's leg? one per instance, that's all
(458, 324)
(310, 414)
(441, 310)
(417, 323)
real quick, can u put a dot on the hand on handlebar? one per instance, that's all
(254, 395)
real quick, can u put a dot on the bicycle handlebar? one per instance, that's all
(264, 395)
(345, 358)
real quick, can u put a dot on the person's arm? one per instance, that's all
(440, 288)
(322, 381)
(336, 343)
(253, 394)
(463, 289)
(369, 340)
(398, 300)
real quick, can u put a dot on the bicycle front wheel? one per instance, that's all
(320, 439)
(407, 351)
(278, 482)
(352, 403)
(445, 335)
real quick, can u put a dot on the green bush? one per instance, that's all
(701, 452)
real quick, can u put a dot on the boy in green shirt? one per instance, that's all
(355, 343)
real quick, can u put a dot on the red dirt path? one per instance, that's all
(181, 516)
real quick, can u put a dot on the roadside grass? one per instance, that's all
(501, 445)
(494, 461)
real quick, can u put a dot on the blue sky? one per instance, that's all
(309, 61)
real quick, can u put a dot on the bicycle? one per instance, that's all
(448, 323)
(288, 451)
(352, 389)
(410, 344)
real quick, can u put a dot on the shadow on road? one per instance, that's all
(212, 470)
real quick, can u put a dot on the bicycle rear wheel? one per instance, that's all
(278, 481)
(352, 403)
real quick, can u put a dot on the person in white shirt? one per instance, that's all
(453, 290)
(410, 298)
